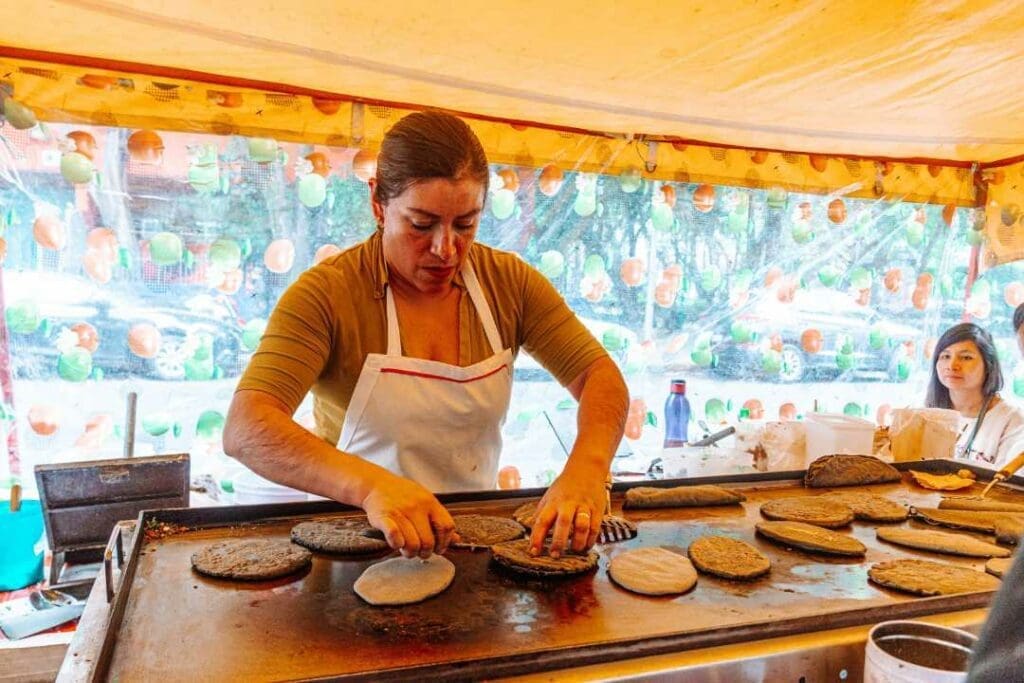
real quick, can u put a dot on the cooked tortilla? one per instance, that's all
(849, 470)
(404, 581)
(941, 482)
(251, 559)
(817, 511)
(483, 531)
(923, 577)
(869, 507)
(525, 513)
(680, 496)
(729, 558)
(617, 527)
(1009, 530)
(975, 520)
(999, 566)
(652, 571)
(515, 555)
(811, 538)
(941, 542)
(350, 536)
(979, 504)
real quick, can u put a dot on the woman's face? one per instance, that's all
(961, 367)
(428, 230)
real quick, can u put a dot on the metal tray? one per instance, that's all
(171, 623)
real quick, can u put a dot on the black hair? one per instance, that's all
(938, 394)
(428, 144)
(1018, 318)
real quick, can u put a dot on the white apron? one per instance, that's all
(434, 423)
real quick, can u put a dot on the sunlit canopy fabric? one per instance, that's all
(904, 79)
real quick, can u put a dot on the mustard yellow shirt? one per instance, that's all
(327, 321)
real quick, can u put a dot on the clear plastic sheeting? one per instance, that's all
(149, 261)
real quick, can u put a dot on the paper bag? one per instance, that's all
(786, 445)
(924, 433)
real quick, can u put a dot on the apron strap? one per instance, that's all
(476, 294)
(394, 336)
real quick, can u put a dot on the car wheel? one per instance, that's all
(794, 367)
(169, 362)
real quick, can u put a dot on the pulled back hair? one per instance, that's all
(938, 394)
(428, 144)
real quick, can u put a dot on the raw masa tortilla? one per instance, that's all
(404, 581)
(653, 571)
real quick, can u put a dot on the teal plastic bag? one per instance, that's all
(23, 547)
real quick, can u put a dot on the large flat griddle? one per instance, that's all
(171, 624)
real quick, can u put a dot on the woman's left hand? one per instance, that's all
(572, 509)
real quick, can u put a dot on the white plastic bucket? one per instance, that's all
(252, 489)
(828, 433)
(916, 652)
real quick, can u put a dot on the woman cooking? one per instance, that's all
(407, 342)
(966, 377)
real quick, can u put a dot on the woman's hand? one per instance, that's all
(412, 519)
(573, 508)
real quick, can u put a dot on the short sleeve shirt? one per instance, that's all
(327, 321)
(999, 439)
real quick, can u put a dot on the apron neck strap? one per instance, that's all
(394, 336)
(476, 295)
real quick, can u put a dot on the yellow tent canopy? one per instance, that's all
(902, 79)
(899, 99)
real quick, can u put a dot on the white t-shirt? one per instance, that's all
(999, 439)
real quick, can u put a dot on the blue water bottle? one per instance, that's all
(677, 415)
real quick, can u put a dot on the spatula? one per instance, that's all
(1005, 473)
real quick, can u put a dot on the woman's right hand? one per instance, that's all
(412, 519)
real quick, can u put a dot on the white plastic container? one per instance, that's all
(917, 652)
(252, 489)
(828, 433)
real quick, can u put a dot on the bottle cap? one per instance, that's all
(678, 386)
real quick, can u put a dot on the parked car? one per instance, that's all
(200, 334)
(851, 339)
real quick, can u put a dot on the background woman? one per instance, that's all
(966, 377)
